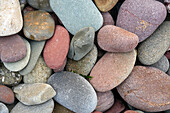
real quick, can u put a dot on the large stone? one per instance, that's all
(6, 95)
(3, 108)
(76, 15)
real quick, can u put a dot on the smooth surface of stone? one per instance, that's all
(111, 70)
(84, 65)
(33, 94)
(3, 108)
(107, 19)
(115, 39)
(62, 67)
(61, 109)
(151, 50)
(81, 43)
(105, 100)
(6, 95)
(39, 74)
(147, 89)
(19, 65)
(38, 25)
(73, 92)
(46, 107)
(142, 24)
(36, 49)
(56, 49)
(105, 5)
(11, 21)
(78, 15)
(12, 48)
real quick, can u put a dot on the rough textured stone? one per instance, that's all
(84, 65)
(61, 109)
(36, 49)
(6, 95)
(142, 24)
(147, 89)
(3, 108)
(46, 107)
(151, 50)
(39, 74)
(38, 25)
(56, 49)
(73, 92)
(78, 15)
(19, 65)
(10, 17)
(107, 19)
(81, 43)
(115, 39)
(32, 94)
(111, 70)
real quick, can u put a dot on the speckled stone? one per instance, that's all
(73, 92)
(147, 89)
(46, 107)
(81, 43)
(11, 21)
(6, 95)
(61, 109)
(36, 49)
(78, 15)
(151, 50)
(111, 70)
(84, 65)
(38, 25)
(33, 94)
(107, 19)
(141, 24)
(39, 74)
(19, 65)
(3, 108)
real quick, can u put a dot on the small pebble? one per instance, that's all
(6, 95)
(3, 108)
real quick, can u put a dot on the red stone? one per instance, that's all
(62, 67)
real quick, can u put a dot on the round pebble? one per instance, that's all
(6, 95)
(107, 19)
(3, 108)
(61, 109)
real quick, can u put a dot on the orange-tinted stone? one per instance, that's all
(6, 95)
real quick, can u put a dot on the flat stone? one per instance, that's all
(144, 24)
(115, 39)
(3, 108)
(56, 49)
(107, 19)
(33, 94)
(73, 92)
(84, 65)
(11, 21)
(39, 74)
(61, 109)
(38, 25)
(46, 107)
(151, 50)
(19, 65)
(78, 15)
(81, 43)
(36, 49)
(6, 95)
(111, 70)
(147, 89)
(62, 67)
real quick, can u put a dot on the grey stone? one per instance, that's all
(22, 3)
(73, 92)
(3, 108)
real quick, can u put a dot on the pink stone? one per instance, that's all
(107, 19)
(62, 67)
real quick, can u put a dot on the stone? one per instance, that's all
(11, 21)
(61, 109)
(6, 95)
(111, 70)
(147, 89)
(81, 43)
(22, 3)
(3, 108)
(76, 15)
(27, 9)
(38, 25)
(46, 107)
(168, 111)
(130, 111)
(84, 65)
(19, 65)
(40, 4)
(168, 71)
(115, 39)
(167, 4)
(73, 92)
(39, 74)
(12, 48)
(36, 49)
(62, 67)
(96, 112)
(167, 54)
(105, 101)
(56, 49)
(33, 94)
(107, 19)
(144, 24)
(151, 50)
(139, 111)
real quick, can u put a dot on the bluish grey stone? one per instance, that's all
(77, 14)
(73, 92)
(3, 108)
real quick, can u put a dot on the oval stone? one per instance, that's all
(107, 19)
(136, 89)
(61, 109)
(78, 15)
(6, 95)
(111, 70)
(115, 39)
(3, 108)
